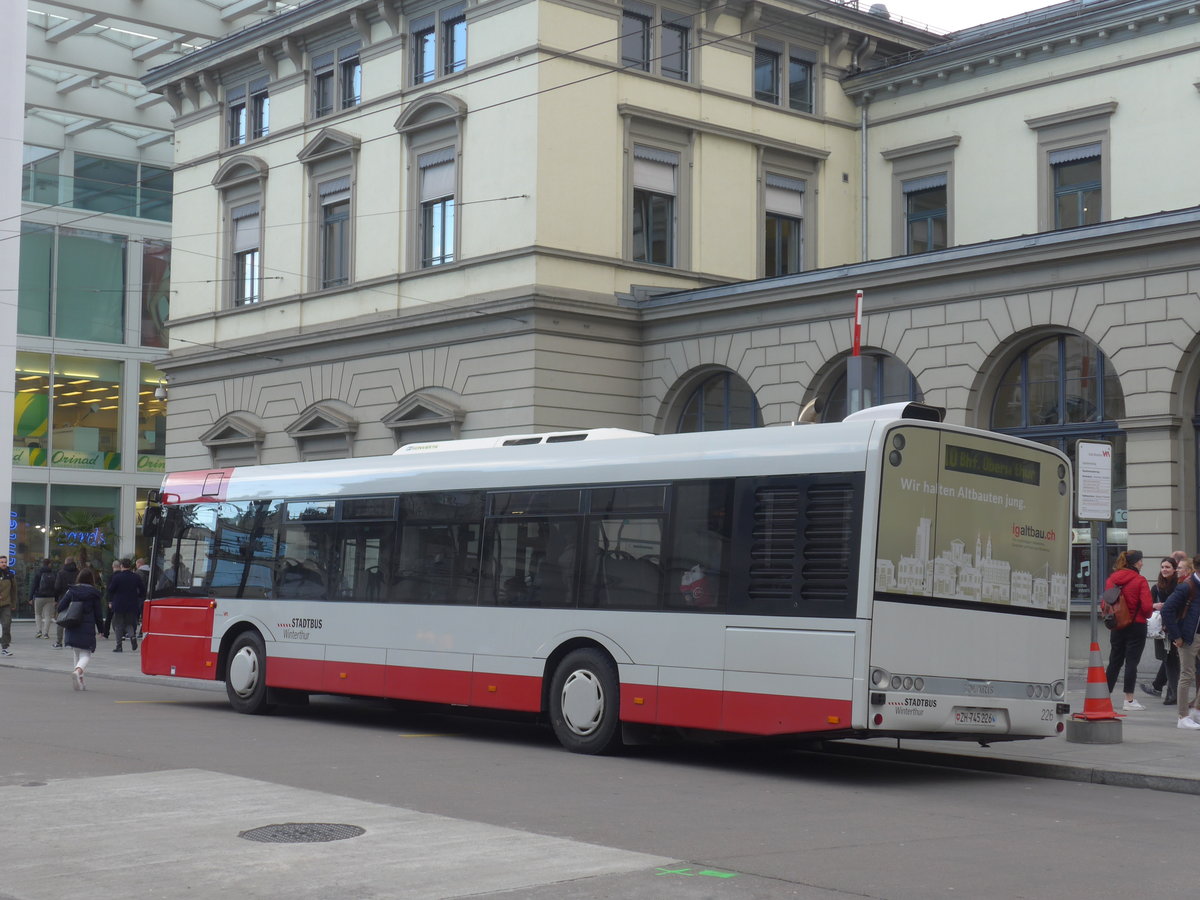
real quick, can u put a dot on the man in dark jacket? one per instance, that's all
(125, 596)
(43, 599)
(67, 576)
(1181, 619)
(8, 602)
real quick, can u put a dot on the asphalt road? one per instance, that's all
(158, 782)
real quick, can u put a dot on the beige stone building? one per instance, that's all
(491, 217)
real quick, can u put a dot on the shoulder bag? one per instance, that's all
(72, 615)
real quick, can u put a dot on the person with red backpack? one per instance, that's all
(1127, 643)
(1181, 618)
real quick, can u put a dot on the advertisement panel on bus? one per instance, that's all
(969, 520)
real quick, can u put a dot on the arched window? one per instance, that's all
(1058, 391)
(885, 380)
(722, 401)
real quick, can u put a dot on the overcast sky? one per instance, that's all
(951, 15)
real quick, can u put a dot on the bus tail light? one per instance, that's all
(878, 698)
(878, 720)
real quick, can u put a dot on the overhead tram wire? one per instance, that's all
(554, 56)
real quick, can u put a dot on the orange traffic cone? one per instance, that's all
(1097, 701)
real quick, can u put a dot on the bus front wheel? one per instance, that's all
(246, 677)
(585, 702)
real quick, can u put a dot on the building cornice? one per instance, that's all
(1021, 40)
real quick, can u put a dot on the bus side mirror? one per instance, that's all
(162, 522)
(151, 521)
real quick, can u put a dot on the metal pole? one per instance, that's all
(1093, 573)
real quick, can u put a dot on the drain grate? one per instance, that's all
(301, 833)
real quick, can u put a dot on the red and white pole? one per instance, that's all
(854, 365)
(858, 300)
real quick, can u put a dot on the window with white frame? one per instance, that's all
(656, 40)
(783, 75)
(439, 43)
(247, 111)
(783, 228)
(336, 80)
(246, 253)
(333, 232)
(655, 189)
(438, 180)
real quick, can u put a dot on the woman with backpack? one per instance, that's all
(81, 636)
(1127, 644)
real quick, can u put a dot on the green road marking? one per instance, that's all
(688, 871)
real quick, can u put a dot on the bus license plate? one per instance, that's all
(984, 717)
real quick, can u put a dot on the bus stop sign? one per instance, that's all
(1093, 489)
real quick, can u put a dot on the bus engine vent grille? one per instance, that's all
(829, 540)
(773, 543)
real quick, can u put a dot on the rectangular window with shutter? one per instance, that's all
(247, 268)
(655, 188)
(334, 232)
(437, 186)
(783, 229)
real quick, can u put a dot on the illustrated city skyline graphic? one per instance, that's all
(958, 575)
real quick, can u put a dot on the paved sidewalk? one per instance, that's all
(1153, 753)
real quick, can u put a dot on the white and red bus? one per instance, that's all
(888, 575)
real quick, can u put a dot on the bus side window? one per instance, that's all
(698, 564)
(361, 549)
(623, 569)
(299, 572)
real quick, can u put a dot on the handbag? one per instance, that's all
(72, 616)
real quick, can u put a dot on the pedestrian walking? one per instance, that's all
(143, 572)
(107, 599)
(81, 638)
(1181, 618)
(66, 577)
(125, 597)
(8, 601)
(1127, 644)
(43, 599)
(1168, 670)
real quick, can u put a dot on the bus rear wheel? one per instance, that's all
(585, 702)
(246, 675)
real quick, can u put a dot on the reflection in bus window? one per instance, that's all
(623, 563)
(698, 574)
(305, 549)
(361, 553)
(241, 556)
(530, 562)
(438, 556)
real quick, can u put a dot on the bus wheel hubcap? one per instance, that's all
(582, 702)
(243, 671)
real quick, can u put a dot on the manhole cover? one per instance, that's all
(301, 833)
